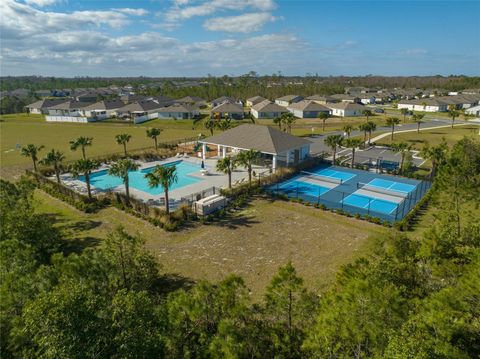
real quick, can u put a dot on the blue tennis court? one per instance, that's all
(343, 176)
(370, 203)
(355, 191)
(298, 187)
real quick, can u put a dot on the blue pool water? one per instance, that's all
(138, 181)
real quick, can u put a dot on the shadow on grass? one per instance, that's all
(172, 282)
(79, 244)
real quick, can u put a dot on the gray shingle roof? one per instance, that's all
(308, 105)
(268, 106)
(105, 105)
(70, 105)
(288, 98)
(346, 106)
(228, 107)
(261, 138)
(41, 104)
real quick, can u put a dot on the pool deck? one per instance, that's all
(208, 180)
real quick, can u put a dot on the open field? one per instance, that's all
(252, 243)
(433, 137)
(22, 129)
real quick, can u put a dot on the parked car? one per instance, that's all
(379, 110)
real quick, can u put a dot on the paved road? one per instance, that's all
(318, 145)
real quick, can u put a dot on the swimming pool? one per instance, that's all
(137, 180)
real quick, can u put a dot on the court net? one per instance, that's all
(388, 192)
(318, 177)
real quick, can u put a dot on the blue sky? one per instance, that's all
(218, 37)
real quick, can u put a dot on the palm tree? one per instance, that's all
(352, 143)
(224, 125)
(247, 159)
(227, 165)
(404, 112)
(367, 113)
(333, 141)
(348, 130)
(153, 133)
(424, 104)
(81, 142)
(31, 151)
(436, 154)
(84, 167)
(123, 139)
(392, 121)
(278, 121)
(323, 116)
(210, 124)
(288, 119)
(418, 117)
(54, 158)
(364, 127)
(164, 176)
(402, 148)
(121, 169)
(372, 126)
(453, 114)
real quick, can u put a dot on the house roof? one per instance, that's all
(41, 104)
(105, 105)
(287, 98)
(256, 99)
(345, 106)
(343, 97)
(70, 105)
(308, 105)
(261, 138)
(224, 99)
(228, 107)
(178, 107)
(190, 99)
(268, 106)
(320, 98)
(140, 106)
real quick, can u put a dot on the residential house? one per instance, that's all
(179, 111)
(267, 109)
(474, 110)
(424, 104)
(192, 100)
(307, 109)
(346, 109)
(225, 99)
(252, 101)
(322, 100)
(287, 100)
(103, 109)
(230, 110)
(41, 106)
(69, 111)
(139, 111)
(346, 98)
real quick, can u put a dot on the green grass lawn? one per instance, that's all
(21, 129)
(433, 137)
(252, 243)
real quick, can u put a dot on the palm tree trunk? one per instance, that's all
(453, 120)
(418, 127)
(369, 137)
(87, 181)
(229, 179)
(83, 152)
(393, 129)
(353, 156)
(167, 204)
(125, 148)
(250, 175)
(127, 189)
(334, 155)
(323, 125)
(57, 173)
(156, 145)
(401, 162)
(34, 165)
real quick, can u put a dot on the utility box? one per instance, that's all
(210, 204)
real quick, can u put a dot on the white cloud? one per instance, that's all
(243, 23)
(179, 12)
(130, 11)
(41, 3)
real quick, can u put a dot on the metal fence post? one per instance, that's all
(369, 206)
(343, 197)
